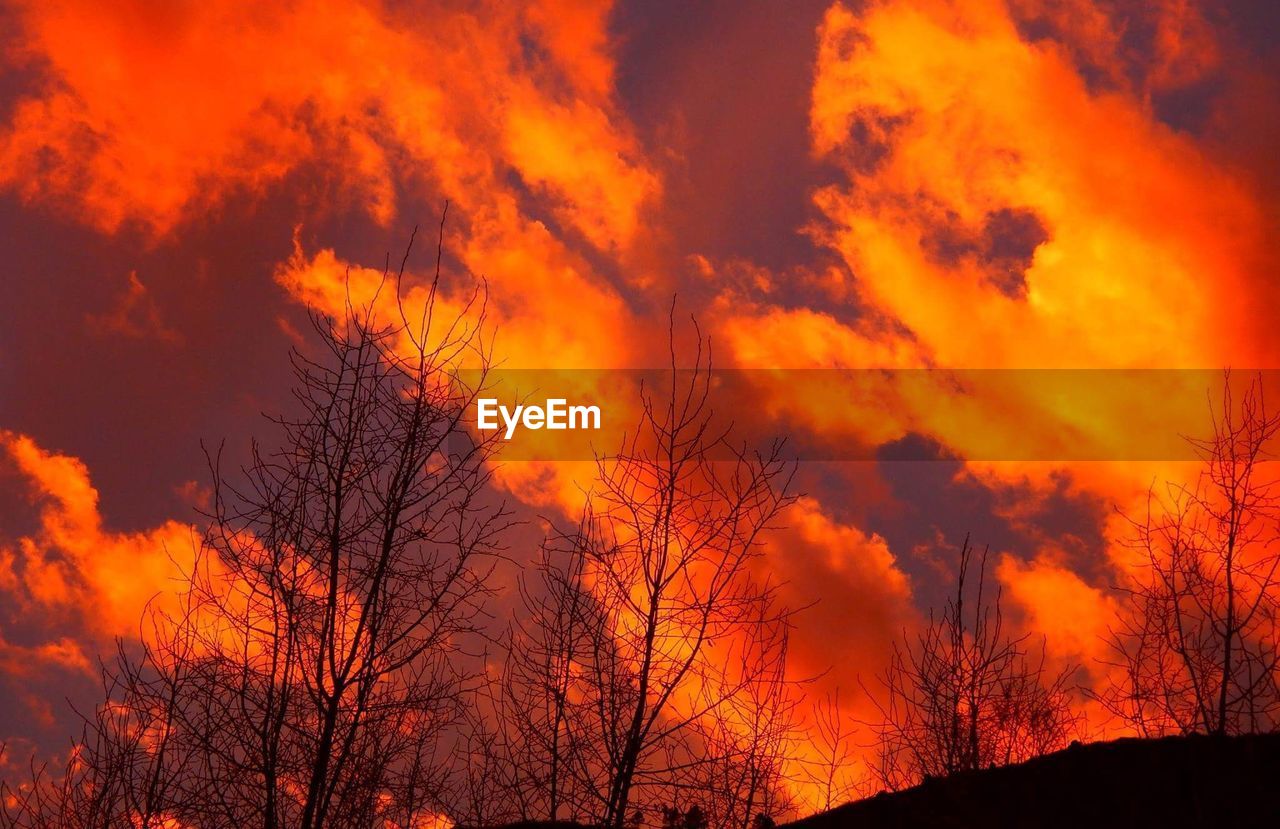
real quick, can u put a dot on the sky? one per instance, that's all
(1010, 184)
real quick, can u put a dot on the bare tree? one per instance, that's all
(963, 694)
(1197, 641)
(116, 773)
(491, 785)
(667, 554)
(314, 668)
(532, 759)
(351, 573)
(750, 739)
(43, 799)
(829, 771)
(625, 647)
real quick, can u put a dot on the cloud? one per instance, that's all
(864, 596)
(72, 568)
(1074, 617)
(1147, 245)
(1073, 620)
(1136, 247)
(71, 585)
(151, 118)
(134, 315)
(22, 661)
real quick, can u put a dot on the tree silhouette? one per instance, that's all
(672, 535)
(829, 771)
(529, 747)
(312, 670)
(1197, 641)
(750, 738)
(646, 653)
(964, 694)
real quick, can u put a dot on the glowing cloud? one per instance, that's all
(73, 566)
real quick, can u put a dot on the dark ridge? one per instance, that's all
(1173, 781)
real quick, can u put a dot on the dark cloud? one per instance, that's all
(720, 91)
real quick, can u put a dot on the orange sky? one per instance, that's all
(898, 184)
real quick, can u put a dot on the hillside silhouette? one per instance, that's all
(1173, 781)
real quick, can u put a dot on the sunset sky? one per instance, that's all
(900, 184)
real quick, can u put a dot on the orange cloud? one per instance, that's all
(1000, 209)
(997, 209)
(957, 136)
(544, 309)
(151, 116)
(1147, 245)
(1075, 620)
(864, 596)
(20, 661)
(134, 315)
(1073, 616)
(75, 568)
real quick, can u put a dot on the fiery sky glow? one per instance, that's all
(880, 184)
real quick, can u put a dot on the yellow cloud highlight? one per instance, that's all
(1149, 244)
